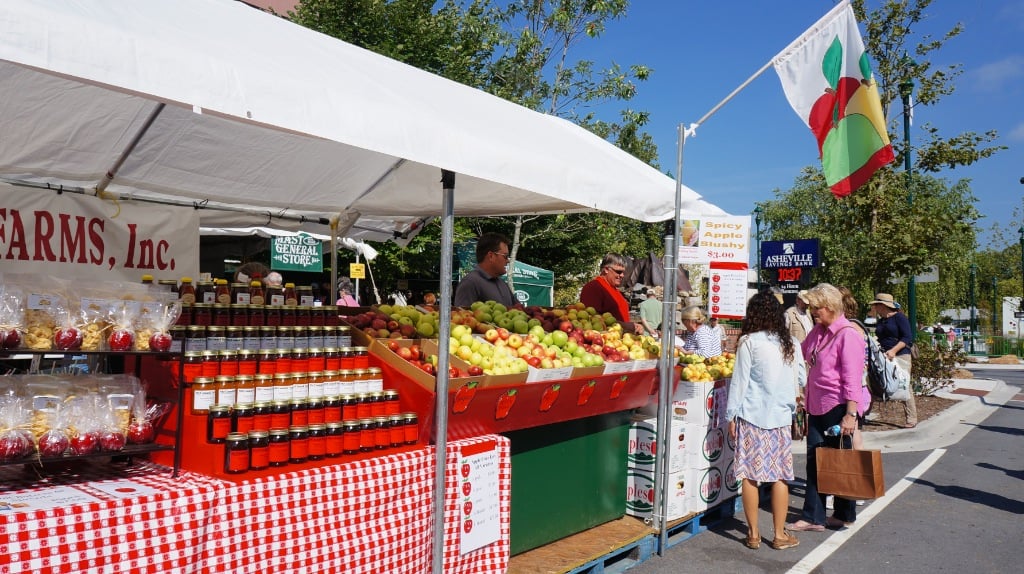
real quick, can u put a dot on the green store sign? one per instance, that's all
(300, 252)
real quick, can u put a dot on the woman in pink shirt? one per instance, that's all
(834, 352)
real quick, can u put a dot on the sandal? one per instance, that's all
(753, 543)
(833, 522)
(786, 540)
(804, 526)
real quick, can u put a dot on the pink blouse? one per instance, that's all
(835, 357)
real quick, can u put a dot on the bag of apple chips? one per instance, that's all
(85, 424)
(55, 440)
(12, 318)
(42, 297)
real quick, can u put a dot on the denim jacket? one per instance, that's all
(764, 387)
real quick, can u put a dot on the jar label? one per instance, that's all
(246, 395)
(202, 399)
(268, 342)
(263, 395)
(331, 388)
(306, 300)
(277, 299)
(209, 297)
(195, 344)
(259, 458)
(216, 343)
(234, 343)
(242, 299)
(226, 397)
(300, 391)
(282, 392)
(316, 390)
(238, 460)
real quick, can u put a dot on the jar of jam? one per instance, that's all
(264, 384)
(285, 337)
(256, 293)
(240, 315)
(315, 384)
(206, 292)
(210, 364)
(377, 406)
(257, 315)
(304, 313)
(202, 314)
(245, 387)
(349, 408)
(185, 317)
(361, 381)
(330, 338)
(239, 294)
(242, 418)
(317, 318)
(316, 360)
(280, 414)
(195, 338)
(228, 362)
(283, 387)
(177, 338)
(169, 285)
(259, 449)
(266, 362)
(280, 449)
(236, 453)
(272, 316)
(332, 359)
(367, 435)
(234, 338)
(411, 428)
(332, 409)
(284, 360)
(332, 318)
(218, 423)
(348, 358)
(300, 360)
(300, 386)
(216, 338)
(192, 366)
(351, 435)
(396, 428)
(221, 314)
(362, 357)
(204, 395)
(364, 408)
(298, 438)
(222, 293)
(347, 382)
(227, 391)
(290, 295)
(275, 295)
(315, 410)
(317, 441)
(187, 291)
(268, 338)
(391, 402)
(247, 362)
(334, 444)
(344, 336)
(261, 416)
(305, 293)
(288, 315)
(332, 386)
(301, 337)
(300, 412)
(381, 433)
(375, 376)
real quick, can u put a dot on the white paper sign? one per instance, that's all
(51, 497)
(479, 508)
(728, 292)
(123, 488)
(84, 237)
(707, 238)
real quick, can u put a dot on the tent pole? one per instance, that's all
(112, 172)
(441, 390)
(666, 368)
(334, 261)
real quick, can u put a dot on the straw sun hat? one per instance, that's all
(885, 299)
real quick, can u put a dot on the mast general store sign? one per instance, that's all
(84, 237)
(300, 252)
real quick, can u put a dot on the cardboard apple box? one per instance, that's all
(587, 372)
(641, 449)
(640, 494)
(430, 347)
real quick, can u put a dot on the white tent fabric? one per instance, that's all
(349, 243)
(213, 102)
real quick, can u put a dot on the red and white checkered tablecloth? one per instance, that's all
(493, 557)
(159, 531)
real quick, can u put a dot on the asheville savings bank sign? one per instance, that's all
(790, 253)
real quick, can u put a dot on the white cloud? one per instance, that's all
(996, 76)
(1017, 133)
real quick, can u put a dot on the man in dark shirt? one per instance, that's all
(484, 282)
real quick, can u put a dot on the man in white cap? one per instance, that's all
(798, 320)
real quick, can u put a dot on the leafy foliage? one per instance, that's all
(934, 367)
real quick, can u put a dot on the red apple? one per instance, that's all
(428, 369)
(112, 441)
(533, 361)
(565, 325)
(141, 432)
(416, 353)
(53, 443)
(454, 372)
(67, 338)
(121, 340)
(491, 335)
(160, 342)
(393, 346)
(10, 340)
(475, 370)
(503, 333)
(405, 353)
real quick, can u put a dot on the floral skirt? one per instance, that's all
(763, 455)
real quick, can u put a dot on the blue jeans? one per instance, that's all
(814, 503)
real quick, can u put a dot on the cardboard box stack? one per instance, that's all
(699, 457)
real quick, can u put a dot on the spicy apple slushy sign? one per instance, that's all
(86, 237)
(723, 244)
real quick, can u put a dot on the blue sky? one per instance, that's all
(700, 51)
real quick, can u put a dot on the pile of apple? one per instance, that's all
(578, 315)
(396, 322)
(426, 363)
(482, 315)
(699, 369)
(504, 352)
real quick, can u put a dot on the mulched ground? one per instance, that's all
(891, 417)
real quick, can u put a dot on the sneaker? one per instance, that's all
(830, 501)
(861, 502)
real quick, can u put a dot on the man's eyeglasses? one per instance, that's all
(505, 255)
(616, 271)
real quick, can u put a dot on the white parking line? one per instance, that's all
(833, 542)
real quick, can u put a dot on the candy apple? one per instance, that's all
(10, 340)
(121, 340)
(112, 440)
(160, 342)
(140, 432)
(53, 443)
(85, 442)
(67, 338)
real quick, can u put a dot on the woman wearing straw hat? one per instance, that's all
(895, 337)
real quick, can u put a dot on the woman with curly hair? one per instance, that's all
(762, 400)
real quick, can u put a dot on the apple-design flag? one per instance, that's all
(828, 81)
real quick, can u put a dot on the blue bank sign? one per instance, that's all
(790, 253)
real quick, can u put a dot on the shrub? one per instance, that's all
(932, 371)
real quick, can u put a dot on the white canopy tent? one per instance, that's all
(213, 104)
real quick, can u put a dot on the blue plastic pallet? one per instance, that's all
(700, 522)
(620, 559)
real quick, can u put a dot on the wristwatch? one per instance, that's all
(854, 415)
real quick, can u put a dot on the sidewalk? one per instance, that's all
(978, 398)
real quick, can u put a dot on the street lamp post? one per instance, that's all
(757, 232)
(995, 308)
(906, 89)
(974, 275)
(1020, 304)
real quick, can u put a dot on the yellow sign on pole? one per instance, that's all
(357, 270)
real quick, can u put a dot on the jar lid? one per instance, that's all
(259, 434)
(255, 283)
(220, 408)
(147, 277)
(186, 279)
